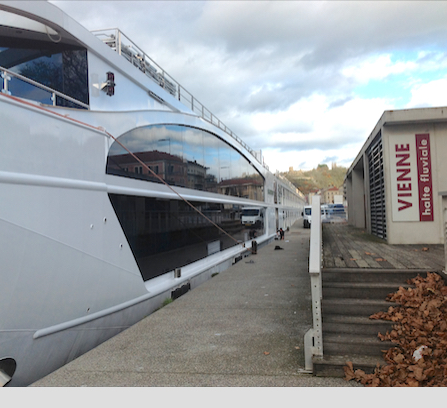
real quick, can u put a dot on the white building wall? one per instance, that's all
(408, 228)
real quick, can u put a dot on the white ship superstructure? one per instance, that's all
(117, 189)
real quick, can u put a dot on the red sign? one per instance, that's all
(403, 169)
(424, 177)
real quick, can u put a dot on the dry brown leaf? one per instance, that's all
(266, 353)
(420, 318)
(375, 382)
(399, 358)
(412, 382)
(349, 371)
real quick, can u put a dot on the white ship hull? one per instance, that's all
(69, 278)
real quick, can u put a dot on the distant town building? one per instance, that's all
(248, 187)
(328, 194)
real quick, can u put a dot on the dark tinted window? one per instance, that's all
(59, 66)
(250, 213)
(168, 234)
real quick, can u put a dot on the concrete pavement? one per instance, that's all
(243, 328)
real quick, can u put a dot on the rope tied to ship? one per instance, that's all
(172, 189)
(101, 129)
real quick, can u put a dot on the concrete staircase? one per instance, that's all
(350, 296)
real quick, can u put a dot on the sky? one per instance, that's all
(303, 81)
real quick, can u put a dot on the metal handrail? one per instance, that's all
(135, 55)
(5, 88)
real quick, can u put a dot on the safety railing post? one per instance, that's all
(6, 79)
(444, 214)
(313, 339)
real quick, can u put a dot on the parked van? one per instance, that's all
(307, 216)
(252, 217)
(325, 213)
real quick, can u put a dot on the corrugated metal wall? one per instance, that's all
(377, 187)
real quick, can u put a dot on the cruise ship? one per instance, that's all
(118, 190)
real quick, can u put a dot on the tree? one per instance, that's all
(315, 179)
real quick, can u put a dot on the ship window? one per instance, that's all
(186, 157)
(59, 66)
(169, 234)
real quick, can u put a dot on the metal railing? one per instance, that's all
(313, 339)
(288, 182)
(125, 47)
(6, 75)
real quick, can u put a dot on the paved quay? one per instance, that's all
(345, 246)
(243, 328)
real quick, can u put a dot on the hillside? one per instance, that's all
(316, 179)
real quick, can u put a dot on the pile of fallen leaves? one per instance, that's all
(420, 356)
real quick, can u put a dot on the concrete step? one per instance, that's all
(360, 290)
(354, 307)
(332, 366)
(354, 325)
(336, 344)
(370, 275)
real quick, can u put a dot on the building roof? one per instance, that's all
(241, 181)
(401, 117)
(146, 157)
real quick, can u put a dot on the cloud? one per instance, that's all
(377, 67)
(316, 120)
(428, 95)
(284, 76)
(332, 131)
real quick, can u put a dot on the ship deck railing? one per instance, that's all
(6, 76)
(124, 46)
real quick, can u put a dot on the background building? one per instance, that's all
(332, 195)
(393, 186)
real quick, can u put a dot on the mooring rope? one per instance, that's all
(172, 189)
(132, 154)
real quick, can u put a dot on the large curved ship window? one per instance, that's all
(57, 65)
(186, 157)
(169, 234)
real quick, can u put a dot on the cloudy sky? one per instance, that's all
(305, 81)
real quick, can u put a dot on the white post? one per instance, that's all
(444, 216)
(118, 41)
(6, 79)
(313, 340)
